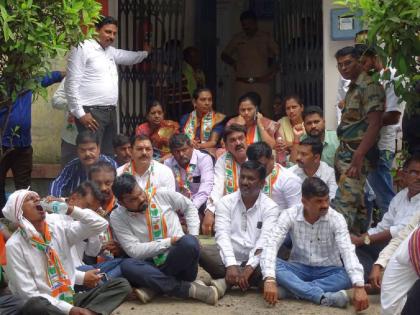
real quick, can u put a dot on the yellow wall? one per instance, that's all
(46, 125)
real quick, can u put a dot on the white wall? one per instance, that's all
(330, 69)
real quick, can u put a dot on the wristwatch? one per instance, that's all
(366, 239)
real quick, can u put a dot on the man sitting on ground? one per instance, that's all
(103, 175)
(193, 170)
(401, 209)
(38, 260)
(122, 149)
(243, 219)
(76, 170)
(321, 244)
(281, 185)
(148, 172)
(226, 171)
(309, 164)
(164, 260)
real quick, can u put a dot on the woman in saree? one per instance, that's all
(158, 130)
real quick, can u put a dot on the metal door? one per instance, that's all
(298, 31)
(161, 23)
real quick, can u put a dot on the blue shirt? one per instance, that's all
(18, 130)
(72, 175)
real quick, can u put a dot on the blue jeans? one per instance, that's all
(174, 276)
(381, 181)
(309, 282)
(110, 267)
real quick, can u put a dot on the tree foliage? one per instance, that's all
(33, 33)
(394, 32)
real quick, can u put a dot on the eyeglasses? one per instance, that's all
(346, 64)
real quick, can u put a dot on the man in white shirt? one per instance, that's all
(321, 244)
(226, 171)
(401, 209)
(381, 178)
(281, 185)
(309, 164)
(243, 219)
(39, 261)
(148, 172)
(164, 260)
(92, 81)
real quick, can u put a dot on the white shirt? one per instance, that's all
(343, 87)
(59, 101)
(131, 231)
(323, 243)
(324, 172)
(161, 177)
(240, 232)
(287, 189)
(218, 190)
(92, 75)
(26, 265)
(388, 133)
(400, 211)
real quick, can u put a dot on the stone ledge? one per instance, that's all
(46, 171)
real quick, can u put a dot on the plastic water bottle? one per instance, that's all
(57, 207)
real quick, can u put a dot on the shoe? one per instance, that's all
(335, 299)
(203, 293)
(220, 285)
(144, 295)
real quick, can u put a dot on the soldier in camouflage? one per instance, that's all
(358, 134)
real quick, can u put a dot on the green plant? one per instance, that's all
(394, 32)
(33, 33)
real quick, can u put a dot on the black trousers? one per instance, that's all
(106, 116)
(19, 160)
(412, 305)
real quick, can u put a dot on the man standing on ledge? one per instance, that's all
(92, 81)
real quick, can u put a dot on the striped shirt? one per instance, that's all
(324, 243)
(72, 175)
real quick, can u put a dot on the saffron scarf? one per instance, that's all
(156, 225)
(253, 135)
(271, 179)
(184, 186)
(414, 250)
(231, 178)
(206, 125)
(130, 168)
(57, 277)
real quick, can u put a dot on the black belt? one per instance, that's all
(105, 107)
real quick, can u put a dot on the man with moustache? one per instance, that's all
(226, 171)
(309, 164)
(402, 208)
(243, 220)
(193, 170)
(358, 133)
(314, 125)
(148, 172)
(75, 172)
(122, 149)
(281, 185)
(103, 174)
(92, 81)
(163, 259)
(39, 263)
(321, 245)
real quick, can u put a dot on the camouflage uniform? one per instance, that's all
(364, 96)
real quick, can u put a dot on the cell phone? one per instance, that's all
(104, 276)
(256, 113)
